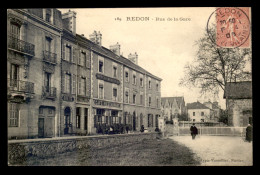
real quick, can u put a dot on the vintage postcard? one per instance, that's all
(165, 86)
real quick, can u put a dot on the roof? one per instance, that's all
(196, 105)
(171, 100)
(238, 90)
(83, 41)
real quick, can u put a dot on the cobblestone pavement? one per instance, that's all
(219, 150)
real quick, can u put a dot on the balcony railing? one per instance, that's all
(49, 57)
(20, 45)
(20, 86)
(49, 92)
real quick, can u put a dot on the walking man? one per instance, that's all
(193, 131)
(249, 133)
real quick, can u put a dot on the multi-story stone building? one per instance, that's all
(33, 59)
(197, 112)
(61, 83)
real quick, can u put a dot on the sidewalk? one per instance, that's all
(219, 150)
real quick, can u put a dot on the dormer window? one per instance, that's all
(48, 15)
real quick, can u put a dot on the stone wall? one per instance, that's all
(19, 150)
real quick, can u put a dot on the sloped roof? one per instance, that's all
(238, 90)
(196, 105)
(100, 49)
(171, 100)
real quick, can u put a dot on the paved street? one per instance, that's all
(219, 150)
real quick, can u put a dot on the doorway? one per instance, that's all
(134, 121)
(46, 122)
(67, 124)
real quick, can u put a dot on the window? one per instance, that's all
(157, 102)
(86, 118)
(193, 113)
(82, 59)
(157, 87)
(13, 113)
(202, 120)
(101, 91)
(134, 79)
(115, 94)
(67, 83)
(126, 77)
(48, 15)
(67, 53)
(100, 66)
(141, 82)
(82, 86)
(47, 81)
(150, 120)
(141, 99)
(78, 117)
(134, 98)
(15, 31)
(194, 120)
(114, 71)
(202, 113)
(50, 111)
(48, 44)
(126, 97)
(150, 100)
(149, 84)
(14, 76)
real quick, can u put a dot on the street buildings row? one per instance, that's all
(61, 83)
(173, 107)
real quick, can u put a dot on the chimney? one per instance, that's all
(69, 21)
(115, 48)
(96, 37)
(133, 58)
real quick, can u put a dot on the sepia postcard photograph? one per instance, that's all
(146, 86)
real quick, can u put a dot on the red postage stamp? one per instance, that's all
(233, 27)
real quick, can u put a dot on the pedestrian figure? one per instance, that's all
(110, 130)
(142, 128)
(193, 131)
(127, 128)
(249, 133)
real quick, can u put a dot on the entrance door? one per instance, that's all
(41, 127)
(67, 120)
(134, 121)
(46, 122)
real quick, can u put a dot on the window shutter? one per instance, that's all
(73, 58)
(73, 84)
(79, 60)
(79, 88)
(63, 51)
(63, 82)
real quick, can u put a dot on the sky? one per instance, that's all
(163, 47)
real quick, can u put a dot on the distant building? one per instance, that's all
(215, 113)
(172, 107)
(198, 112)
(239, 103)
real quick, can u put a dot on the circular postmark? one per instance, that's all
(231, 28)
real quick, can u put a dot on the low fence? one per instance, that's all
(201, 124)
(217, 131)
(19, 150)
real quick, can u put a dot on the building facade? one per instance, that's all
(238, 97)
(216, 110)
(33, 59)
(172, 107)
(61, 83)
(197, 112)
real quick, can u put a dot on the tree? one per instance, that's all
(214, 67)
(183, 117)
(223, 116)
